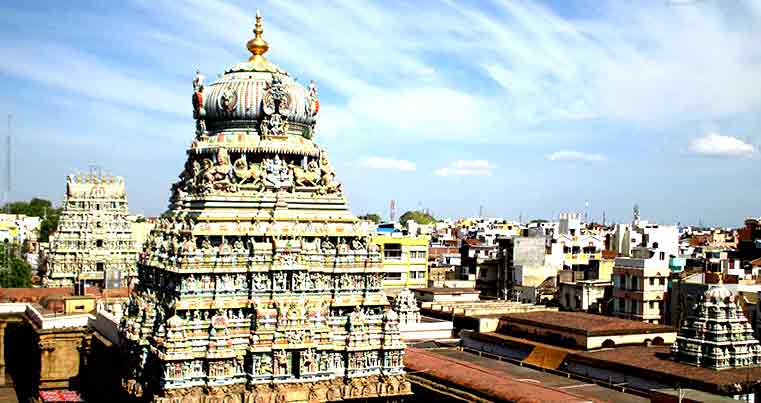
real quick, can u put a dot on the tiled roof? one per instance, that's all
(584, 323)
(656, 361)
(481, 380)
(32, 294)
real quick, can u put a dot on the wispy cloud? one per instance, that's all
(606, 82)
(717, 145)
(387, 163)
(570, 155)
(66, 69)
(466, 168)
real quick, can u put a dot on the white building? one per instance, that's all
(639, 288)
(659, 238)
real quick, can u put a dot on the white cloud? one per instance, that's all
(387, 163)
(467, 168)
(570, 155)
(717, 145)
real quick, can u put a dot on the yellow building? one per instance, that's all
(405, 261)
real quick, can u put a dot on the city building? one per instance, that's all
(260, 284)
(479, 263)
(627, 237)
(404, 259)
(689, 289)
(640, 288)
(569, 250)
(20, 229)
(93, 244)
(584, 295)
(522, 273)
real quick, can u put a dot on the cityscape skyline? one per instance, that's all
(529, 109)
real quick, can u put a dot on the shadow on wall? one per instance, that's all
(22, 359)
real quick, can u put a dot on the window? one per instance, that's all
(663, 281)
(394, 276)
(99, 266)
(99, 243)
(392, 251)
(652, 304)
(417, 274)
(652, 280)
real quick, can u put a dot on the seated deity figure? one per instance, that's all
(239, 247)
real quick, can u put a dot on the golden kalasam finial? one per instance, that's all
(257, 46)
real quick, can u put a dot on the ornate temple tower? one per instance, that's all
(262, 285)
(405, 305)
(717, 334)
(93, 242)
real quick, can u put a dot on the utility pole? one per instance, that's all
(6, 263)
(8, 161)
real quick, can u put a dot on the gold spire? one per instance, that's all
(257, 46)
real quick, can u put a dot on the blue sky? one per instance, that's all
(524, 107)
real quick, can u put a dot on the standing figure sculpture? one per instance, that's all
(199, 113)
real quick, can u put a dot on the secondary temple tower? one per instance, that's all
(261, 285)
(716, 334)
(93, 243)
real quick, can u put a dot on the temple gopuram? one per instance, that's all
(716, 334)
(93, 244)
(261, 285)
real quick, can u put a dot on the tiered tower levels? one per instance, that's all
(94, 236)
(261, 284)
(717, 335)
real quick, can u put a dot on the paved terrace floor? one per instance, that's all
(7, 391)
(550, 382)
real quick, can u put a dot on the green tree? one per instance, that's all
(376, 218)
(14, 271)
(37, 208)
(419, 217)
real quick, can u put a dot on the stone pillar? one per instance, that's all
(2, 352)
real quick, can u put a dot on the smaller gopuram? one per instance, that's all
(716, 334)
(405, 305)
(93, 244)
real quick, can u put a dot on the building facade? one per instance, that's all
(584, 295)
(261, 285)
(639, 289)
(405, 261)
(93, 244)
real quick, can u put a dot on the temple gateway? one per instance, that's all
(716, 334)
(261, 286)
(93, 244)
